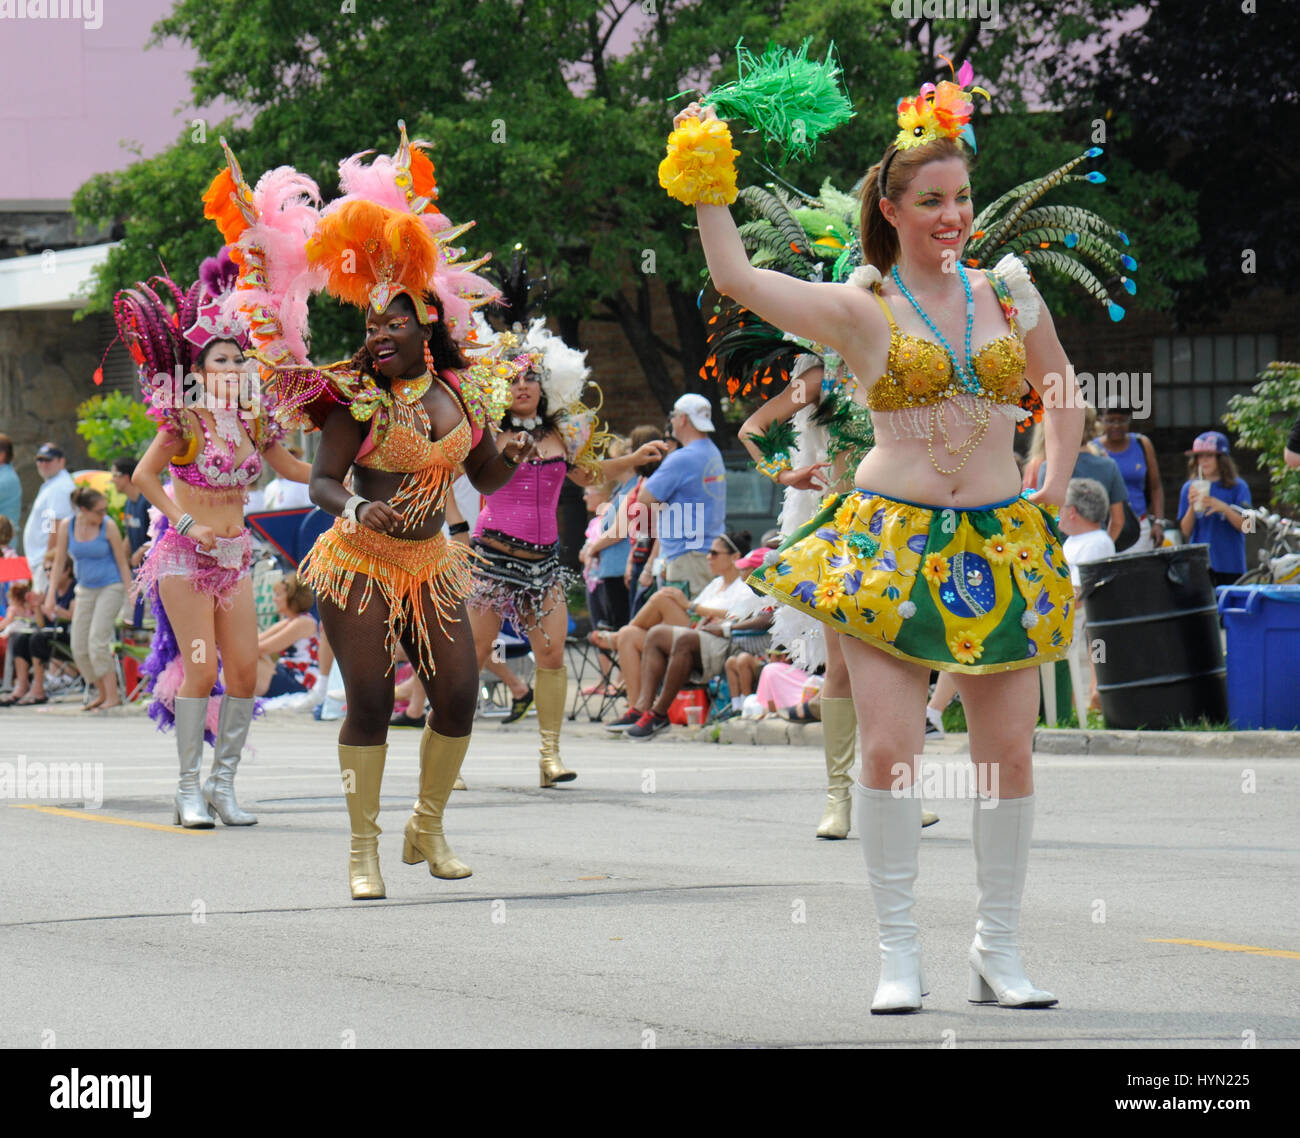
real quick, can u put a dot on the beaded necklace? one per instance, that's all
(965, 372)
(967, 379)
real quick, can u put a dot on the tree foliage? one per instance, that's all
(1262, 420)
(547, 137)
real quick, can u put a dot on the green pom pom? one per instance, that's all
(791, 100)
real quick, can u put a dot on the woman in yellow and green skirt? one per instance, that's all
(933, 562)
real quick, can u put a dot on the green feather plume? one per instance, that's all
(790, 99)
(777, 438)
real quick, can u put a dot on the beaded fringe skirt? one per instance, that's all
(415, 579)
(960, 590)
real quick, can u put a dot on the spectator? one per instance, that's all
(1102, 468)
(287, 652)
(1036, 457)
(690, 486)
(612, 545)
(283, 494)
(1084, 514)
(642, 544)
(98, 553)
(53, 503)
(7, 537)
(596, 498)
(135, 515)
(674, 655)
(11, 489)
(742, 672)
(22, 620)
(1136, 459)
(1205, 506)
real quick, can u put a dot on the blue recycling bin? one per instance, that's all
(1263, 627)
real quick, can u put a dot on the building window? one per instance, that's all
(1195, 376)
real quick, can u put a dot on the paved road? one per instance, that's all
(674, 895)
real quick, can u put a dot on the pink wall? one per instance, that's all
(70, 95)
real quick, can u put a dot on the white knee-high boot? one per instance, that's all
(1001, 835)
(890, 827)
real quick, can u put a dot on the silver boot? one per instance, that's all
(190, 809)
(219, 790)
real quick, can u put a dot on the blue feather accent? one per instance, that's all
(1096, 177)
(1093, 152)
(1116, 312)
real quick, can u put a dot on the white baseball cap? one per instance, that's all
(697, 409)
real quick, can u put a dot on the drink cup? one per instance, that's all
(694, 716)
(1200, 488)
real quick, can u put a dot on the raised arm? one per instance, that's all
(825, 313)
(489, 468)
(798, 394)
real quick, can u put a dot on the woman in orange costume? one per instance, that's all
(401, 419)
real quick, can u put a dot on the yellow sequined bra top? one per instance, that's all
(920, 372)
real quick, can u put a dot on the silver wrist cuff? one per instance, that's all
(353, 504)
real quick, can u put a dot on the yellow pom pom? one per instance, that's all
(700, 168)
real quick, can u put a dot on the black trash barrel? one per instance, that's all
(1161, 655)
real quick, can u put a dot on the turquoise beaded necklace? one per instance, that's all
(966, 376)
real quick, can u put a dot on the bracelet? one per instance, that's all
(458, 527)
(773, 466)
(511, 464)
(700, 168)
(184, 524)
(353, 504)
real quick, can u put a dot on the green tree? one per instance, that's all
(115, 425)
(548, 138)
(1262, 420)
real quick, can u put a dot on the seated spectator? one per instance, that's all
(671, 606)
(742, 675)
(23, 618)
(675, 656)
(288, 660)
(1084, 514)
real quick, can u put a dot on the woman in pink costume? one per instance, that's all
(519, 577)
(215, 434)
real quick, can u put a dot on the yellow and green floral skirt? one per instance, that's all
(960, 590)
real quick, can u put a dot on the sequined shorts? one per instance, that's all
(217, 571)
(960, 590)
(523, 591)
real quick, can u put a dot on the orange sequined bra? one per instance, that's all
(399, 443)
(920, 372)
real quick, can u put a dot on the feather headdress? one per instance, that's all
(385, 236)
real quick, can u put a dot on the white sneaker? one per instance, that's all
(933, 723)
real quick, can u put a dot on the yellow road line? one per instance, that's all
(83, 816)
(1253, 949)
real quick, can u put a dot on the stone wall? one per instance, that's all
(46, 363)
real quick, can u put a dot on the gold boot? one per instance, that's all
(549, 688)
(840, 731)
(440, 759)
(363, 773)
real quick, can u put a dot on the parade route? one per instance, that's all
(673, 896)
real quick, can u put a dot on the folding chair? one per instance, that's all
(494, 696)
(584, 660)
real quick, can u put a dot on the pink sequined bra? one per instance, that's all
(212, 467)
(523, 510)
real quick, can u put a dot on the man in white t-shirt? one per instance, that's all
(1083, 519)
(53, 503)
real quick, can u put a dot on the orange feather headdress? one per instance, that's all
(385, 236)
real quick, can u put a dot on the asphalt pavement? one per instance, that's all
(673, 896)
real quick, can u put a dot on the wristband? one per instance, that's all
(458, 527)
(511, 464)
(184, 524)
(353, 504)
(773, 466)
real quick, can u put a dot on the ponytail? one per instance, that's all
(879, 237)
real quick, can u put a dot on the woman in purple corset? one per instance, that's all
(519, 577)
